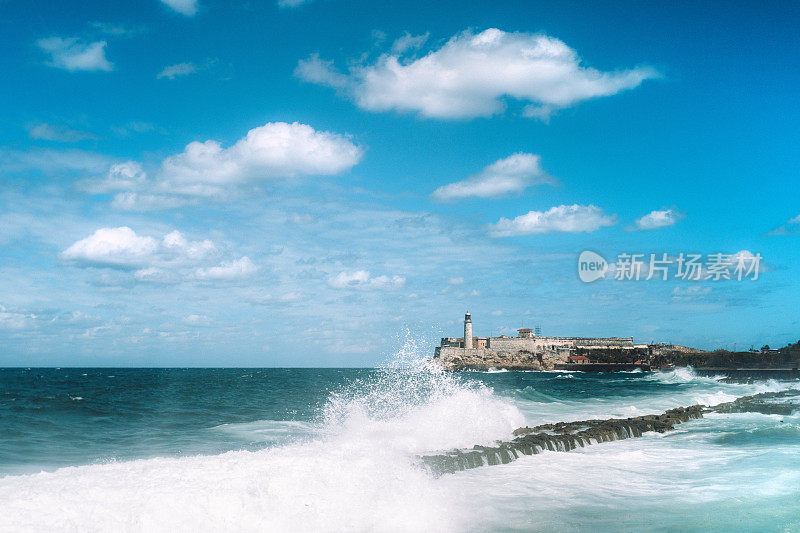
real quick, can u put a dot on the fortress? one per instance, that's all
(529, 351)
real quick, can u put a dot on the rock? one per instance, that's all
(566, 436)
(562, 436)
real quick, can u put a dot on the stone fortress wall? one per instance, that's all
(524, 351)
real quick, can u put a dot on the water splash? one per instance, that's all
(414, 406)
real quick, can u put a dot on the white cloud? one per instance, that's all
(122, 248)
(13, 319)
(455, 281)
(275, 150)
(409, 42)
(155, 275)
(197, 320)
(179, 246)
(791, 227)
(471, 75)
(71, 54)
(658, 219)
(125, 179)
(568, 218)
(117, 30)
(184, 7)
(133, 201)
(229, 270)
(506, 176)
(50, 132)
(120, 177)
(179, 69)
(114, 247)
(321, 72)
(690, 293)
(362, 279)
(42, 319)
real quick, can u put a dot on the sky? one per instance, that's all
(319, 183)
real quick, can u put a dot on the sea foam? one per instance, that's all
(353, 469)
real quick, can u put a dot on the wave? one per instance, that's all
(683, 374)
(354, 468)
(269, 431)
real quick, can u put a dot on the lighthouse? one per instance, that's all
(467, 331)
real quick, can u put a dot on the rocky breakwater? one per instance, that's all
(561, 437)
(566, 436)
(767, 403)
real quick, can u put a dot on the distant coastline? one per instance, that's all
(529, 350)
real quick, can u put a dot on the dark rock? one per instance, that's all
(562, 436)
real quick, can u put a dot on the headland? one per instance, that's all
(531, 351)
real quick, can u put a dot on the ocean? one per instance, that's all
(102, 449)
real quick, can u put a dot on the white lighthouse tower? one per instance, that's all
(467, 331)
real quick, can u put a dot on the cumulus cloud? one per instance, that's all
(71, 54)
(122, 248)
(473, 74)
(50, 132)
(658, 219)
(511, 175)
(362, 279)
(180, 69)
(184, 7)
(275, 150)
(229, 270)
(114, 247)
(566, 218)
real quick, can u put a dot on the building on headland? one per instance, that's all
(579, 359)
(528, 350)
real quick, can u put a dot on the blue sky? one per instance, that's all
(212, 183)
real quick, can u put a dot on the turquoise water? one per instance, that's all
(336, 450)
